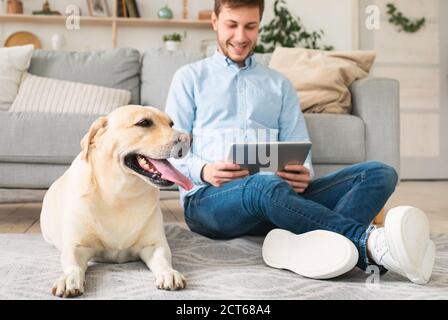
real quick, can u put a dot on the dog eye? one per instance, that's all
(145, 123)
(171, 124)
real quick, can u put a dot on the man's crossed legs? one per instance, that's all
(344, 202)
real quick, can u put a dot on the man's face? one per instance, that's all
(237, 31)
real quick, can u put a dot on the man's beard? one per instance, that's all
(224, 49)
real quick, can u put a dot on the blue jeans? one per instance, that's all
(345, 202)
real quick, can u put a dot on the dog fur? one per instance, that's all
(102, 210)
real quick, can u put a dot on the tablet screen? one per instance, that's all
(268, 156)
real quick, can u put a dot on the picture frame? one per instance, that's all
(98, 8)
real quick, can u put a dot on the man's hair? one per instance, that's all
(238, 4)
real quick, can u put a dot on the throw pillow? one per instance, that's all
(38, 94)
(322, 78)
(14, 61)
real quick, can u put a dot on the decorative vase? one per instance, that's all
(172, 45)
(14, 7)
(165, 13)
(57, 41)
(205, 15)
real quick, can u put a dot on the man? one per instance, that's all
(229, 97)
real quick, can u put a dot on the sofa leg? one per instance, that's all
(379, 219)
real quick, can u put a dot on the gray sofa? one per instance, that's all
(36, 148)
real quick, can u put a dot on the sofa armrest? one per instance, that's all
(377, 102)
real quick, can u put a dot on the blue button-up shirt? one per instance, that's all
(219, 103)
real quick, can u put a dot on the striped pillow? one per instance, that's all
(38, 94)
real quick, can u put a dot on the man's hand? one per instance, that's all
(219, 173)
(297, 176)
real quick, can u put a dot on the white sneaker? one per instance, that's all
(404, 246)
(317, 254)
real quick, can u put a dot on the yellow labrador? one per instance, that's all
(105, 207)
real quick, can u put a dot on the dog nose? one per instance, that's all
(183, 138)
(181, 146)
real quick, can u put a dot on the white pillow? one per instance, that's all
(14, 62)
(38, 94)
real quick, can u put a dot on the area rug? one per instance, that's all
(231, 269)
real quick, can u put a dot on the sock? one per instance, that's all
(376, 245)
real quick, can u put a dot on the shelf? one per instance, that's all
(43, 19)
(113, 22)
(22, 18)
(163, 23)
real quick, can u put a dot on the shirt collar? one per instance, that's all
(226, 61)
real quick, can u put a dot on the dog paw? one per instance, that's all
(69, 285)
(170, 280)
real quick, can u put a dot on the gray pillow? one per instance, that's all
(115, 68)
(158, 69)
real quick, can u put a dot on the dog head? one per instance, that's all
(141, 139)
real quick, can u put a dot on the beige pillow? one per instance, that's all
(322, 78)
(38, 94)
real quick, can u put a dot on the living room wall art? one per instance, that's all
(98, 8)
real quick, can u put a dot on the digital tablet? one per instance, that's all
(268, 156)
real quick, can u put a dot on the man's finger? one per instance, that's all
(228, 166)
(231, 174)
(222, 181)
(297, 184)
(294, 177)
(299, 190)
(296, 168)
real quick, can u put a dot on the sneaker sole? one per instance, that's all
(317, 254)
(407, 233)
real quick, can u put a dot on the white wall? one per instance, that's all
(334, 17)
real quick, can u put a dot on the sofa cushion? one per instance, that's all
(13, 63)
(55, 138)
(116, 68)
(158, 68)
(42, 137)
(39, 94)
(322, 78)
(30, 175)
(337, 139)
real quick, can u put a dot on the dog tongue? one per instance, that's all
(172, 174)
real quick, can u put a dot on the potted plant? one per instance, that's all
(286, 30)
(172, 41)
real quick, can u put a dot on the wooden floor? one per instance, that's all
(432, 197)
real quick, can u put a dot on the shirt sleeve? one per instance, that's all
(292, 122)
(181, 108)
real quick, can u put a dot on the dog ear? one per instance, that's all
(96, 129)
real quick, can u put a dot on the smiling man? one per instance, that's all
(237, 27)
(322, 226)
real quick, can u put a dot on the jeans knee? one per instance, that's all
(386, 174)
(266, 182)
